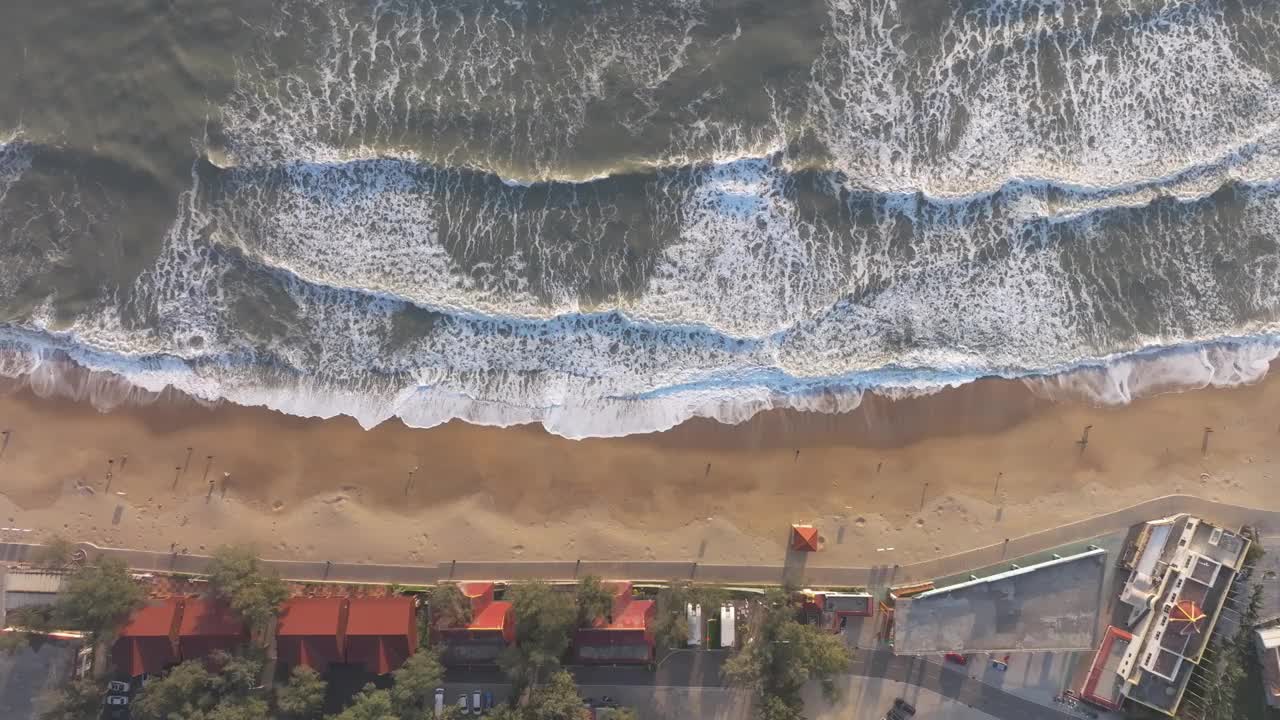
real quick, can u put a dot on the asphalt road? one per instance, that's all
(702, 669)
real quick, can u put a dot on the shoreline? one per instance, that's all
(926, 476)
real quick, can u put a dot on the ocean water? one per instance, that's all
(609, 217)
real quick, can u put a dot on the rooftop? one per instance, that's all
(154, 620)
(311, 616)
(1175, 603)
(1049, 606)
(209, 618)
(380, 616)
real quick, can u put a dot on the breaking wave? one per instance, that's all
(576, 214)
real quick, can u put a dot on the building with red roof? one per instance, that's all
(491, 630)
(381, 633)
(310, 632)
(207, 626)
(148, 641)
(625, 635)
(804, 538)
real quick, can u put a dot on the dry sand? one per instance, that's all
(916, 475)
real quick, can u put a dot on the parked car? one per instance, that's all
(904, 706)
(488, 700)
(439, 702)
(957, 658)
(477, 704)
(117, 707)
(116, 687)
(462, 705)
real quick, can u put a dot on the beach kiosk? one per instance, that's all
(804, 538)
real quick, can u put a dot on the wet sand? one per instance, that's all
(925, 476)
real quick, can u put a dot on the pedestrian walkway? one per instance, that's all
(1268, 521)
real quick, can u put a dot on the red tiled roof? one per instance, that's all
(381, 633)
(475, 589)
(145, 643)
(152, 620)
(492, 617)
(311, 616)
(380, 616)
(628, 626)
(208, 626)
(309, 632)
(804, 538)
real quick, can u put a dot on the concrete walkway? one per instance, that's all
(798, 572)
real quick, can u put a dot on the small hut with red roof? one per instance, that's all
(310, 632)
(381, 632)
(804, 538)
(148, 641)
(208, 626)
(491, 630)
(625, 635)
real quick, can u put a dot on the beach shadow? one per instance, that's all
(794, 564)
(119, 513)
(702, 549)
(840, 535)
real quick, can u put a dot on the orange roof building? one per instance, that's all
(804, 538)
(208, 626)
(381, 632)
(491, 630)
(310, 632)
(625, 635)
(148, 641)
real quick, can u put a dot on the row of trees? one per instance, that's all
(780, 654)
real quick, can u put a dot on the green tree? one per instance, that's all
(243, 708)
(56, 552)
(78, 700)
(504, 712)
(595, 599)
(98, 598)
(414, 684)
(185, 691)
(772, 707)
(782, 656)
(448, 606)
(370, 704)
(236, 575)
(190, 691)
(303, 696)
(557, 700)
(544, 620)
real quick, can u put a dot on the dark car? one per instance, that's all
(904, 706)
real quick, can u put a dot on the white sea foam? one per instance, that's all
(1100, 245)
(1077, 92)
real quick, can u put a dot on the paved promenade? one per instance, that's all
(1267, 521)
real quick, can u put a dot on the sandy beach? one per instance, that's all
(925, 476)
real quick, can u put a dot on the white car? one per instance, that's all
(115, 687)
(117, 700)
(439, 702)
(477, 705)
(462, 705)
